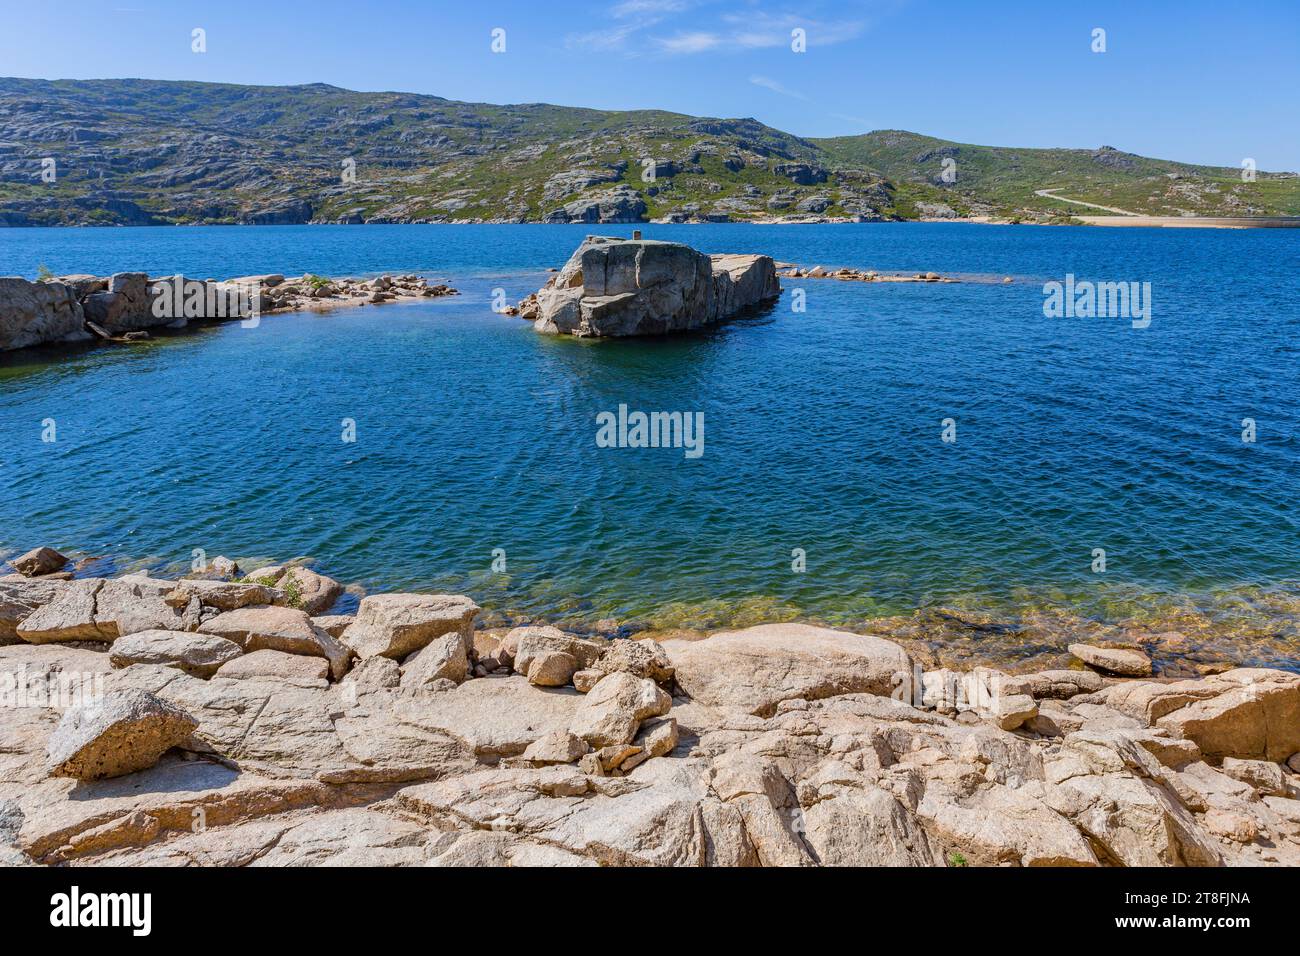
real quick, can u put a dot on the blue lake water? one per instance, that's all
(822, 428)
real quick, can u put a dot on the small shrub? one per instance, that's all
(292, 589)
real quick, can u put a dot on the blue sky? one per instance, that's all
(1195, 81)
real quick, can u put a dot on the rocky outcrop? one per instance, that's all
(624, 287)
(223, 595)
(124, 306)
(219, 568)
(34, 313)
(19, 599)
(801, 173)
(1251, 713)
(781, 744)
(612, 711)
(445, 658)
(620, 204)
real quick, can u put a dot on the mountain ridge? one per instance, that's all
(138, 151)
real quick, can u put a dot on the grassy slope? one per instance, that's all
(189, 152)
(1005, 179)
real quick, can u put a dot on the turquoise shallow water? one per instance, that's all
(822, 428)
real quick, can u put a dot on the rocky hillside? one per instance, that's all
(1003, 181)
(144, 151)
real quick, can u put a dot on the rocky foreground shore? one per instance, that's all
(229, 719)
(123, 307)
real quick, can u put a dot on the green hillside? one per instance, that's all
(144, 151)
(1002, 181)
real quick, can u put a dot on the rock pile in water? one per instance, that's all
(126, 305)
(862, 275)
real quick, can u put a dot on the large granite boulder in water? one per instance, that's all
(619, 287)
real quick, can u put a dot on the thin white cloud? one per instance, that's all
(770, 84)
(611, 38)
(633, 16)
(758, 41)
(694, 42)
(632, 22)
(655, 8)
(757, 29)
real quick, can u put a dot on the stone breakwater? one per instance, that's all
(123, 307)
(863, 275)
(230, 719)
(625, 287)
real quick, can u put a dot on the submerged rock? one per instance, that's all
(1125, 661)
(624, 287)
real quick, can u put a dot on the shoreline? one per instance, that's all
(1186, 634)
(1128, 221)
(405, 734)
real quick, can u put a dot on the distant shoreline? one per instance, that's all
(1153, 222)
(1196, 222)
(1168, 222)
